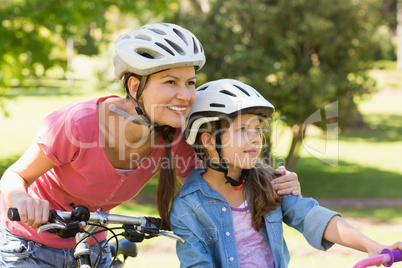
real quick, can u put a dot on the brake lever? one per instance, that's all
(173, 236)
(49, 226)
(61, 227)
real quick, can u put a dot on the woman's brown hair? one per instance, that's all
(167, 183)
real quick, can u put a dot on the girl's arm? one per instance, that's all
(192, 252)
(341, 232)
(15, 181)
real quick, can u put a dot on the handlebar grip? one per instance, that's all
(158, 223)
(396, 255)
(13, 215)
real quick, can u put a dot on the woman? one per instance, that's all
(101, 153)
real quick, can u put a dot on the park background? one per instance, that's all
(311, 59)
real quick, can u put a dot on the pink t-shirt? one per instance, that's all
(252, 249)
(82, 174)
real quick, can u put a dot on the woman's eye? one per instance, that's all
(191, 83)
(170, 82)
(242, 129)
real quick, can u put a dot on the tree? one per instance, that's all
(34, 33)
(301, 55)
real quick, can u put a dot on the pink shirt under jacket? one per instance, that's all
(82, 174)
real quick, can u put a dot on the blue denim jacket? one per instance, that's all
(202, 217)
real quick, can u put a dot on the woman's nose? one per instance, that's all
(183, 93)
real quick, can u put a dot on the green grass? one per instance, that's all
(347, 180)
(26, 108)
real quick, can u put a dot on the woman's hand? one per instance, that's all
(33, 212)
(16, 180)
(287, 183)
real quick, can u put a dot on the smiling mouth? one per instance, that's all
(177, 109)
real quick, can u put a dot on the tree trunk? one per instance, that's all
(293, 155)
(266, 150)
(70, 58)
(399, 33)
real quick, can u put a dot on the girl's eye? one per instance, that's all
(243, 129)
(170, 82)
(191, 83)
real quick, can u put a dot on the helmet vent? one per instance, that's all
(176, 47)
(202, 88)
(157, 31)
(228, 93)
(217, 105)
(146, 55)
(165, 48)
(242, 89)
(181, 35)
(195, 47)
(143, 37)
(149, 54)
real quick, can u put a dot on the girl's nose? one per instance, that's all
(254, 137)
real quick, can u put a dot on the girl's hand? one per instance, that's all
(375, 249)
(33, 212)
(378, 250)
(396, 245)
(287, 183)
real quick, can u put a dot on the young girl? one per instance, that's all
(229, 215)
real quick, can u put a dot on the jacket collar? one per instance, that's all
(195, 182)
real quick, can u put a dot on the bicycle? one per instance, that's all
(83, 224)
(386, 258)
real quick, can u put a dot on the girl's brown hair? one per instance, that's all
(261, 194)
(262, 197)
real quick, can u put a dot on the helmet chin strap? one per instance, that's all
(142, 118)
(222, 167)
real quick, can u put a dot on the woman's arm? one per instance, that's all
(341, 232)
(16, 180)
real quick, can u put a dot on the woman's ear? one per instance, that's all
(132, 85)
(207, 141)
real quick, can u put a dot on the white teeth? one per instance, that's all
(180, 109)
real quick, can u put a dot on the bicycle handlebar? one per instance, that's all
(80, 215)
(70, 224)
(386, 258)
(99, 217)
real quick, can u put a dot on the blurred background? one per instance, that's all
(330, 67)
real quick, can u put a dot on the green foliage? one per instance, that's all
(34, 33)
(301, 55)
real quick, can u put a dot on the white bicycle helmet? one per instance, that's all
(222, 98)
(156, 47)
